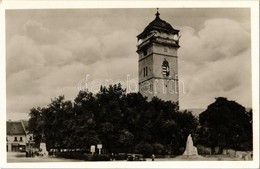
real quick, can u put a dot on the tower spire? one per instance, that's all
(157, 13)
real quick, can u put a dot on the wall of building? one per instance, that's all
(155, 84)
(145, 62)
(16, 145)
(166, 89)
(158, 58)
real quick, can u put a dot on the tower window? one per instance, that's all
(145, 70)
(21, 138)
(15, 138)
(145, 52)
(165, 68)
(149, 51)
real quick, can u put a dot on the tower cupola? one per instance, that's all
(158, 25)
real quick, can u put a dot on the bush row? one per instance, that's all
(83, 156)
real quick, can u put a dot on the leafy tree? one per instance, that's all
(158, 148)
(226, 124)
(121, 122)
(108, 115)
(186, 124)
(125, 140)
(57, 117)
(144, 148)
(84, 133)
(36, 124)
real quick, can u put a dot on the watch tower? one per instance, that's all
(158, 60)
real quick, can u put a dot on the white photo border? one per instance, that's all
(254, 7)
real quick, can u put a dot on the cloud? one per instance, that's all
(86, 47)
(63, 45)
(22, 53)
(56, 55)
(121, 43)
(215, 61)
(219, 39)
(43, 63)
(225, 37)
(48, 59)
(60, 75)
(36, 31)
(86, 50)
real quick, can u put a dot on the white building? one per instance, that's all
(18, 137)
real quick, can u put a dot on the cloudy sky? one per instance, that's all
(49, 52)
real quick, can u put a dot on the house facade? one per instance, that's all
(18, 138)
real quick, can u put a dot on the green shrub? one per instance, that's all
(83, 156)
(121, 156)
(100, 157)
(73, 155)
(158, 148)
(145, 149)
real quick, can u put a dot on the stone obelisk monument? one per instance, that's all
(190, 148)
(191, 152)
(43, 149)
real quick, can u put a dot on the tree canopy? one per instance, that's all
(128, 123)
(121, 122)
(226, 124)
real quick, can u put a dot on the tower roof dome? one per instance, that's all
(158, 24)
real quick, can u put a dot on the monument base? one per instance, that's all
(43, 151)
(190, 148)
(191, 152)
(190, 157)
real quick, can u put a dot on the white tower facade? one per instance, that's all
(158, 61)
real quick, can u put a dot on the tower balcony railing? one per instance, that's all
(157, 39)
(166, 40)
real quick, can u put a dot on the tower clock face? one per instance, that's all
(165, 68)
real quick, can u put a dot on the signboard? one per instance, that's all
(92, 149)
(99, 146)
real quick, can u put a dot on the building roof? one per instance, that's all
(15, 128)
(158, 24)
(25, 124)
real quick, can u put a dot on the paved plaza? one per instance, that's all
(16, 157)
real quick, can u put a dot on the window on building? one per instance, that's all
(21, 138)
(30, 137)
(15, 138)
(149, 51)
(165, 68)
(145, 52)
(165, 49)
(145, 70)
